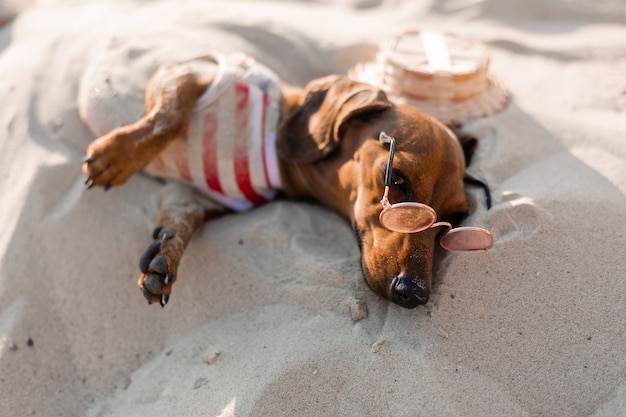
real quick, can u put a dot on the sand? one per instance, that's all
(268, 318)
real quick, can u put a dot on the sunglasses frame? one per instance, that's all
(430, 214)
(451, 239)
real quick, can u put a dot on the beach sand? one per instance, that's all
(267, 318)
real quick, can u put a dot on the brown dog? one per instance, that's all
(328, 150)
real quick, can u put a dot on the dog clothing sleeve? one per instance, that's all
(228, 149)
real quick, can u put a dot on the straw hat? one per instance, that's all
(442, 74)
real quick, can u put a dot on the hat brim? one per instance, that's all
(491, 100)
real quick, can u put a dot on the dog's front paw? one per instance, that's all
(158, 265)
(112, 159)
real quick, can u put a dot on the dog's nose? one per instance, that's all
(408, 292)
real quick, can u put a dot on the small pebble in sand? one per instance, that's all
(57, 124)
(211, 357)
(376, 347)
(442, 333)
(357, 309)
(200, 382)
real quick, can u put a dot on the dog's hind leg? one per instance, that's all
(170, 97)
(182, 213)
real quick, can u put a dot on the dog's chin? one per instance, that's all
(398, 292)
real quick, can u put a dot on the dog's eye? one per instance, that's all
(400, 183)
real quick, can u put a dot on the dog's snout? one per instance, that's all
(409, 292)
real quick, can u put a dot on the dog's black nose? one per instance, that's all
(408, 292)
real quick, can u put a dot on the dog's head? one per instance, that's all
(332, 137)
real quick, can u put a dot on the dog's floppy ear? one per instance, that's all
(314, 129)
(468, 142)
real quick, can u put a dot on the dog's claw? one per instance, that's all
(165, 235)
(164, 299)
(149, 254)
(158, 265)
(87, 160)
(168, 278)
(108, 187)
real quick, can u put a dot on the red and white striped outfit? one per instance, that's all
(228, 149)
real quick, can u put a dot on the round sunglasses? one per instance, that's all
(413, 217)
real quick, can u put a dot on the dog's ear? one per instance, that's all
(468, 142)
(315, 128)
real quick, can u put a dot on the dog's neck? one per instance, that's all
(303, 180)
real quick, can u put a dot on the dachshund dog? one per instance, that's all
(320, 142)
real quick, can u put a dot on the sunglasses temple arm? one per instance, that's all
(469, 178)
(385, 199)
(385, 138)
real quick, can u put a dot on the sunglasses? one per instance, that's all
(412, 217)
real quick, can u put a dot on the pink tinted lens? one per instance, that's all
(407, 217)
(466, 239)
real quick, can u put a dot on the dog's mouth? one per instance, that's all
(359, 238)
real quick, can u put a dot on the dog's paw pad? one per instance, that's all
(148, 256)
(158, 265)
(158, 270)
(153, 285)
(156, 288)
